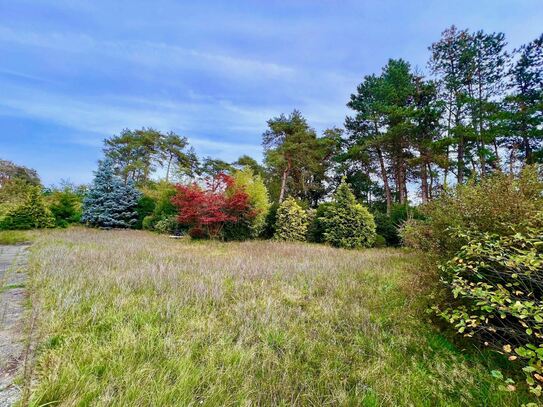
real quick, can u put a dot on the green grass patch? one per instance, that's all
(11, 287)
(14, 237)
(130, 318)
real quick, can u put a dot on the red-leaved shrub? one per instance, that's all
(207, 210)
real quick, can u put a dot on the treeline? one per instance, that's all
(478, 111)
(409, 137)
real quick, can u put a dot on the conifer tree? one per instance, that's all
(32, 213)
(292, 222)
(346, 222)
(110, 202)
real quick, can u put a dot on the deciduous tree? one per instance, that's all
(207, 211)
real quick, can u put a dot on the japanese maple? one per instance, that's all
(207, 210)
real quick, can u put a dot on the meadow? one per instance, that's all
(132, 318)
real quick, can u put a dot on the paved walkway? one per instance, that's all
(12, 278)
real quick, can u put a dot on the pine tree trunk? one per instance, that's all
(384, 176)
(431, 187)
(284, 182)
(527, 150)
(424, 182)
(482, 146)
(403, 196)
(449, 121)
(401, 182)
(497, 153)
(512, 158)
(460, 160)
(460, 149)
(446, 172)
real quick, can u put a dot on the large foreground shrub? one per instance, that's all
(497, 286)
(110, 202)
(346, 223)
(487, 237)
(30, 213)
(291, 221)
(490, 205)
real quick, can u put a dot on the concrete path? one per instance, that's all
(13, 260)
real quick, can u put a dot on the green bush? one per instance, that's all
(161, 194)
(389, 226)
(253, 185)
(168, 225)
(292, 222)
(315, 232)
(145, 208)
(31, 213)
(14, 192)
(271, 219)
(380, 241)
(496, 286)
(65, 205)
(386, 229)
(487, 238)
(346, 223)
(490, 205)
(148, 222)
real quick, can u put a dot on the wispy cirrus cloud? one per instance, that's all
(147, 53)
(73, 72)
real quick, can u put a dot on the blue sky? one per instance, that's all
(74, 72)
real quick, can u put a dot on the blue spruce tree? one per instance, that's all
(110, 202)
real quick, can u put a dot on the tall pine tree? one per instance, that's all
(524, 106)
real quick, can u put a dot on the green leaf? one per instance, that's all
(497, 374)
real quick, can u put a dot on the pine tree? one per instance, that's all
(110, 202)
(523, 117)
(297, 158)
(347, 223)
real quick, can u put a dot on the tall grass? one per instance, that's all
(134, 319)
(9, 237)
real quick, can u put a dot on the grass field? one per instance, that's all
(15, 236)
(128, 318)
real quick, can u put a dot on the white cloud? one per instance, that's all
(93, 120)
(147, 53)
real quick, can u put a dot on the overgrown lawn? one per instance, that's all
(129, 318)
(9, 237)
